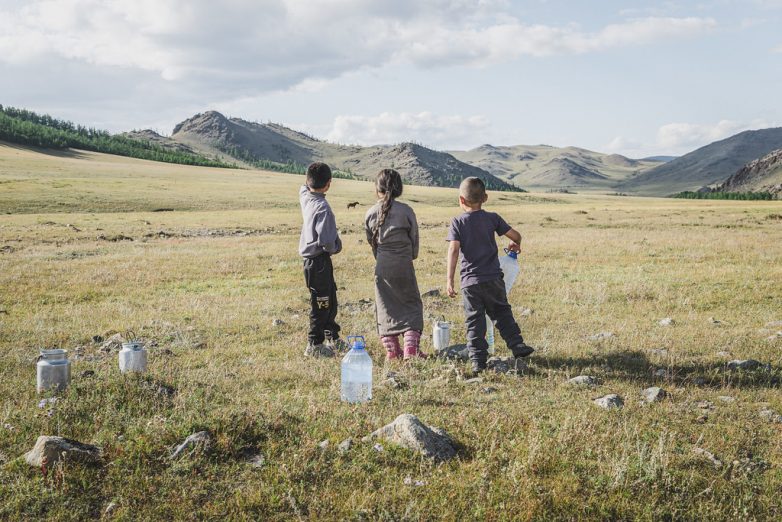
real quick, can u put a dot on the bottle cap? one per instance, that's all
(512, 254)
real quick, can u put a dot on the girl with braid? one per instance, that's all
(392, 232)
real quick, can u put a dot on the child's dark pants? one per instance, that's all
(319, 276)
(489, 298)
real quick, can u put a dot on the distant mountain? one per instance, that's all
(250, 142)
(761, 175)
(156, 139)
(544, 167)
(707, 165)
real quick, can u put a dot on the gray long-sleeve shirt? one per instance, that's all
(319, 231)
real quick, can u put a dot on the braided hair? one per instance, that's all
(389, 185)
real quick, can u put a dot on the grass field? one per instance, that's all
(206, 280)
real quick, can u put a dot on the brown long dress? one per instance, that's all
(398, 305)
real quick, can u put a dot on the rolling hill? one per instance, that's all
(707, 165)
(543, 167)
(250, 142)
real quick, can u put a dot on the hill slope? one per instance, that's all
(213, 133)
(761, 175)
(544, 167)
(707, 165)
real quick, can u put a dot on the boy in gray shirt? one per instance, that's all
(483, 289)
(318, 242)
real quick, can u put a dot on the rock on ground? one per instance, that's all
(431, 293)
(201, 439)
(345, 445)
(50, 450)
(601, 336)
(506, 365)
(709, 456)
(771, 416)
(318, 351)
(583, 380)
(409, 432)
(667, 322)
(654, 394)
(456, 352)
(744, 364)
(113, 343)
(610, 402)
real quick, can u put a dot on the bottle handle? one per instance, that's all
(363, 341)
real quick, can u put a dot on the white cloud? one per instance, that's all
(245, 47)
(432, 130)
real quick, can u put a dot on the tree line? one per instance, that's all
(748, 196)
(25, 127)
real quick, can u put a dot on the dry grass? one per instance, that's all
(535, 449)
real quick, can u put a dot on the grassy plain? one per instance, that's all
(206, 280)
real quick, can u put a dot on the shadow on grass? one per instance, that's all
(58, 153)
(635, 366)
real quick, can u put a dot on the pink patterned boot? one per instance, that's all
(412, 342)
(391, 343)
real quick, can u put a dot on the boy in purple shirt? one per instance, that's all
(483, 289)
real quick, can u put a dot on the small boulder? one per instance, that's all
(324, 444)
(50, 450)
(610, 402)
(667, 322)
(201, 439)
(771, 416)
(112, 344)
(527, 312)
(409, 432)
(705, 405)
(345, 445)
(256, 461)
(583, 380)
(97, 339)
(654, 394)
(278, 322)
(506, 365)
(602, 336)
(457, 352)
(318, 351)
(744, 364)
(708, 456)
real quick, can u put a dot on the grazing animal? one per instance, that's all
(353, 205)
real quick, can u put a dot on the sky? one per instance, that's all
(628, 77)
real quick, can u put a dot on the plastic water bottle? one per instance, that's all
(356, 372)
(509, 264)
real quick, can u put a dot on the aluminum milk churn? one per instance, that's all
(54, 370)
(133, 357)
(441, 335)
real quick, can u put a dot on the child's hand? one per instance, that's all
(449, 289)
(514, 247)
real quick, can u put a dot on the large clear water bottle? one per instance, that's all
(509, 264)
(356, 372)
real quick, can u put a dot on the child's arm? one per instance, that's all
(515, 237)
(326, 228)
(451, 260)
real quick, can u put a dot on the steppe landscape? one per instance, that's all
(202, 264)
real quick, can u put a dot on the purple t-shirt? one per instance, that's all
(475, 232)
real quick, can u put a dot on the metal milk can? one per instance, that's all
(133, 357)
(441, 335)
(54, 370)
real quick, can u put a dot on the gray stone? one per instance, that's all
(527, 312)
(457, 352)
(746, 466)
(112, 344)
(667, 322)
(771, 416)
(488, 389)
(654, 394)
(506, 365)
(278, 322)
(345, 445)
(97, 339)
(610, 402)
(111, 507)
(705, 405)
(201, 439)
(324, 444)
(709, 456)
(744, 364)
(256, 461)
(602, 336)
(394, 381)
(409, 432)
(661, 372)
(583, 380)
(48, 451)
(726, 398)
(723, 354)
(474, 380)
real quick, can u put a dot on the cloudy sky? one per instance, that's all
(638, 78)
